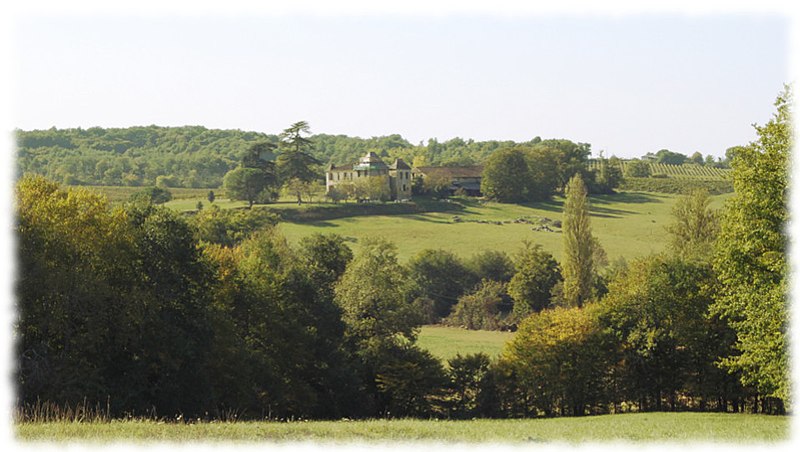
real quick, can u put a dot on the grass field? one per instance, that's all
(627, 225)
(637, 427)
(445, 342)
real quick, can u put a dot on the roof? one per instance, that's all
(370, 161)
(451, 171)
(347, 167)
(399, 164)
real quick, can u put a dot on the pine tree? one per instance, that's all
(578, 262)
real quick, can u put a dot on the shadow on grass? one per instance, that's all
(626, 198)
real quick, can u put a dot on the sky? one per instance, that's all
(627, 83)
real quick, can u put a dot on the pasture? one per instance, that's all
(628, 224)
(674, 428)
(445, 342)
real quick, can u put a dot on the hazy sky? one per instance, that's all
(627, 84)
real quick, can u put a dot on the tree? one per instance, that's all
(229, 227)
(658, 310)
(437, 184)
(481, 309)
(154, 195)
(578, 266)
(259, 156)
(211, 197)
(248, 184)
(373, 294)
(562, 357)
(637, 168)
(695, 226)
(505, 176)
(467, 374)
(697, 158)
(670, 158)
(537, 273)
(440, 276)
(607, 177)
(751, 256)
(295, 162)
(492, 265)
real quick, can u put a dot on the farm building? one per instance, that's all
(467, 178)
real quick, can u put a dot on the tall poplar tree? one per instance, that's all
(578, 262)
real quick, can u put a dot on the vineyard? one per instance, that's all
(685, 171)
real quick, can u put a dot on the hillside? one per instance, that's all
(194, 156)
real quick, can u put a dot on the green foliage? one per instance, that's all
(491, 264)
(562, 356)
(295, 165)
(657, 309)
(408, 380)
(229, 227)
(668, 157)
(481, 309)
(695, 227)
(466, 374)
(247, 184)
(751, 256)
(152, 195)
(607, 177)
(637, 168)
(506, 176)
(536, 274)
(578, 265)
(373, 294)
(188, 156)
(440, 276)
(113, 303)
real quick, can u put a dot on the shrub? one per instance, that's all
(481, 309)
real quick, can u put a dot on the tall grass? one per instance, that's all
(46, 411)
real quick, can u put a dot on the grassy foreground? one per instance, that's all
(650, 427)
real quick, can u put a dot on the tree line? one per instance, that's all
(196, 157)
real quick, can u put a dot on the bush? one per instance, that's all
(152, 195)
(482, 309)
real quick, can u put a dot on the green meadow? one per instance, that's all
(675, 428)
(445, 342)
(628, 224)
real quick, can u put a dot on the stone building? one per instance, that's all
(465, 178)
(371, 169)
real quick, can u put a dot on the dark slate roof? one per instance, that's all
(400, 164)
(347, 167)
(451, 171)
